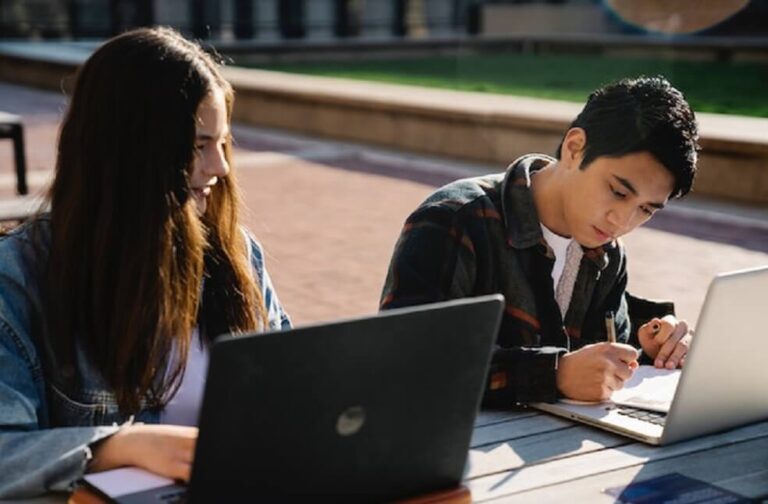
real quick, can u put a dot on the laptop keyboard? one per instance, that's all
(653, 417)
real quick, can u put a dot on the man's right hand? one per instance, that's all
(593, 372)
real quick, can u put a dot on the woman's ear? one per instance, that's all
(572, 150)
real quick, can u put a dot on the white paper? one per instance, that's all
(126, 480)
(649, 388)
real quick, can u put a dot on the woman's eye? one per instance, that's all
(646, 210)
(618, 194)
(199, 147)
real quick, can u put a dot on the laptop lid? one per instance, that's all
(723, 382)
(370, 409)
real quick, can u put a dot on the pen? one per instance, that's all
(610, 327)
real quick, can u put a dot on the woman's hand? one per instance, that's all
(166, 450)
(666, 341)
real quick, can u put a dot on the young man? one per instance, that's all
(545, 235)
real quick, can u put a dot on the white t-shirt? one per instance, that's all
(184, 406)
(559, 245)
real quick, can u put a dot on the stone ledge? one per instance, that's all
(21, 208)
(477, 126)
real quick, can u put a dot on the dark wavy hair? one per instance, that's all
(129, 252)
(643, 114)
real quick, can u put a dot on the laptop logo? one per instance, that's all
(350, 421)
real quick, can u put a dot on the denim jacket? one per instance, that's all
(47, 424)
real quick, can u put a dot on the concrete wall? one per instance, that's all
(477, 126)
(488, 128)
(515, 19)
(320, 19)
(173, 13)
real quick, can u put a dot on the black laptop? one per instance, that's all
(369, 409)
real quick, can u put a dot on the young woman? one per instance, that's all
(109, 302)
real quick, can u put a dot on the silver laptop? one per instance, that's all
(724, 383)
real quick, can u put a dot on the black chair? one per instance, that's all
(11, 127)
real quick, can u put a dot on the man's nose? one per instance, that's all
(621, 216)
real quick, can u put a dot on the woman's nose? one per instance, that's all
(216, 164)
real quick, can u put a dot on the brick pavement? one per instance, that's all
(328, 215)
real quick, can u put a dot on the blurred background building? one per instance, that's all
(311, 20)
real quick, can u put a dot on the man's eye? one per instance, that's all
(618, 194)
(646, 210)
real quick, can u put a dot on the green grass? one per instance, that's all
(720, 87)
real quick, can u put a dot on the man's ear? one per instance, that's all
(572, 150)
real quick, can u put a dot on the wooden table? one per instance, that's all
(526, 456)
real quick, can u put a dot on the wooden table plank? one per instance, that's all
(755, 484)
(567, 469)
(547, 446)
(488, 417)
(518, 428)
(739, 467)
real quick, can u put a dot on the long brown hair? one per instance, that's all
(129, 254)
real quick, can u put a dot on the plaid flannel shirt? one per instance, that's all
(482, 235)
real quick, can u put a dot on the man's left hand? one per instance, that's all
(666, 341)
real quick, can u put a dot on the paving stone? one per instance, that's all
(328, 215)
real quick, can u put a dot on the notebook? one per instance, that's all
(722, 385)
(370, 409)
